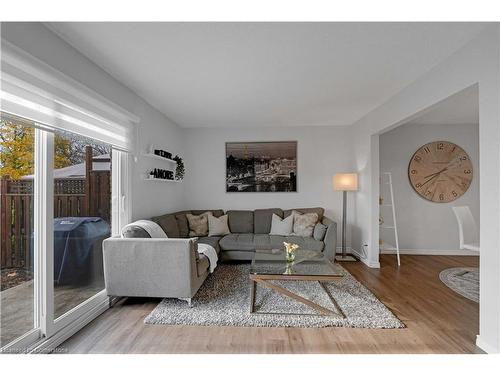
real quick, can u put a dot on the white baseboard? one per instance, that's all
(431, 252)
(484, 346)
(358, 255)
(52, 343)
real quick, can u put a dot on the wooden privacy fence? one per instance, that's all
(90, 196)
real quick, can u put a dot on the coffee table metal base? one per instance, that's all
(267, 282)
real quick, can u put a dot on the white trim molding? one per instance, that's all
(50, 344)
(485, 346)
(432, 252)
(360, 256)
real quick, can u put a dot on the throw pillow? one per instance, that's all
(217, 226)
(198, 224)
(303, 224)
(319, 232)
(281, 227)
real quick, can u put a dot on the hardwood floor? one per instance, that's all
(438, 321)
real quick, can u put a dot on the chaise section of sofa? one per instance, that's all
(153, 267)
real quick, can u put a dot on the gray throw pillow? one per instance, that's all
(303, 224)
(319, 231)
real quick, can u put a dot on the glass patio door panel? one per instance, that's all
(18, 303)
(82, 218)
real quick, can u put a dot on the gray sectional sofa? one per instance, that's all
(249, 231)
(137, 266)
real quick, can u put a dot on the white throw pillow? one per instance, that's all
(303, 224)
(281, 227)
(217, 226)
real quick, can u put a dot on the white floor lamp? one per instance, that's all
(345, 182)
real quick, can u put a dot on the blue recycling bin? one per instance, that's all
(77, 241)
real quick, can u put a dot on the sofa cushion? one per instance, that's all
(318, 210)
(134, 231)
(169, 225)
(306, 243)
(212, 241)
(234, 241)
(266, 241)
(182, 223)
(250, 242)
(262, 219)
(240, 221)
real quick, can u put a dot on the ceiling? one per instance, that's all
(266, 74)
(458, 109)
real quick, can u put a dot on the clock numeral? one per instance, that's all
(467, 171)
(417, 158)
(453, 149)
(419, 185)
(428, 192)
(462, 158)
(413, 171)
(426, 149)
(440, 146)
(441, 197)
(454, 193)
(464, 185)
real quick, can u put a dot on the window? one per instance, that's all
(64, 178)
(17, 172)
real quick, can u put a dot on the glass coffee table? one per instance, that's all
(269, 265)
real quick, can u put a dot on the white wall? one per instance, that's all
(321, 152)
(148, 198)
(475, 63)
(424, 226)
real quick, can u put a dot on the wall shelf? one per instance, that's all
(159, 180)
(157, 157)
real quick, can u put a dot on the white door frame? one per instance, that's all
(47, 330)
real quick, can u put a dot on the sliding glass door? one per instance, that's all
(18, 303)
(61, 195)
(82, 218)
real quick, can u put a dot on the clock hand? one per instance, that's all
(433, 177)
(441, 171)
(430, 186)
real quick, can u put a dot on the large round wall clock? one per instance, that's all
(440, 171)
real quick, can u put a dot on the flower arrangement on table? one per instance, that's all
(290, 249)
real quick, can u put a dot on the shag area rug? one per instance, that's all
(223, 300)
(462, 280)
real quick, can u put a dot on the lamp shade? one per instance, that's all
(345, 182)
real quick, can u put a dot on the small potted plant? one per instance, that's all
(290, 249)
(179, 171)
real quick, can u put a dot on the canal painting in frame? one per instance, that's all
(261, 166)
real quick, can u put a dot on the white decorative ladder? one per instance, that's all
(386, 180)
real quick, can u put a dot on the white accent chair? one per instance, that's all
(469, 237)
